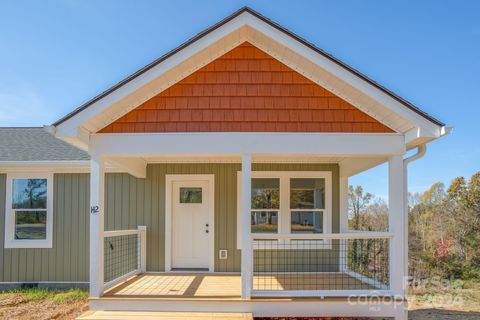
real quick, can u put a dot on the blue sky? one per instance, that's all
(55, 55)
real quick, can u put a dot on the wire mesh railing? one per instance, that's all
(320, 263)
(124, 254)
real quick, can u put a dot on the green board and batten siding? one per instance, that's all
(67, 261)
(130, 202)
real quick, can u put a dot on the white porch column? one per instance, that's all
(396, 223)
(343, 220)
(343, 203)
(247, 248)
(97, 187)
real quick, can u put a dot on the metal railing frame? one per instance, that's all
(141, 232)
(382, 290)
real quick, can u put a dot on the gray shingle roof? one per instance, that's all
(35, 144)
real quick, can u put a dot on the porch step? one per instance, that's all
(135, 315)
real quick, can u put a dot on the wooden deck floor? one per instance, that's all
(225, 286)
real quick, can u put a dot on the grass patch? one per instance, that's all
(458, 294)
(37, 294)
(70, 296)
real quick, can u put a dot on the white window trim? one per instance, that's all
(284, 213)
(10, 241)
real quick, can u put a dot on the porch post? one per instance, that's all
(97, 186)
(396, 224)
(343, 221)
(343, 203)
(247, 248)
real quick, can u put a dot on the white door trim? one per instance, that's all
(169, 179)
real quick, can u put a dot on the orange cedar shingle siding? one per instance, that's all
(245, 90)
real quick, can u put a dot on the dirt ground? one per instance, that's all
(442, 314)
(41, 305)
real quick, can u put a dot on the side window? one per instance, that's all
(28, 222)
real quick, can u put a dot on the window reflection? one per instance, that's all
(30, 225)
(307, 193)
(190, 195)
(306, 222)
(29, 194)
(266, 193)
(264, 222)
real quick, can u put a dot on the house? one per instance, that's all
(216, 179)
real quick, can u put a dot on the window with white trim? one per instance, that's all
(29, 211)
(288, 202)
(265, 205)
(307, 205)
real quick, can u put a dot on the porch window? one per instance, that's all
(307, 204)
(28, 212)
(288, 202)
(265, 205)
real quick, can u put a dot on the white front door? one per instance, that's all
(191, 225)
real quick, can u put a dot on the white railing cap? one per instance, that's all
(324, 236)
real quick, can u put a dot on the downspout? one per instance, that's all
(421, 150)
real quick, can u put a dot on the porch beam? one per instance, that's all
(247, 248)
(97, 189)
(396, 223)
(234, 143)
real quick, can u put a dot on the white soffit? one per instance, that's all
(285, 48)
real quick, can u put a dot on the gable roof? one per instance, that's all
(245, 90)
(35, 144)
(202, 34)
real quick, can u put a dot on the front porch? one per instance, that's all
(217, 295)
(283, 259)
(217, 286)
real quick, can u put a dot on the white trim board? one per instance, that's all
(237, 143)
(45, 166)
(169, 179)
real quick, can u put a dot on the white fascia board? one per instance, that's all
(45, 166)
(148, 144)
(81, 166)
